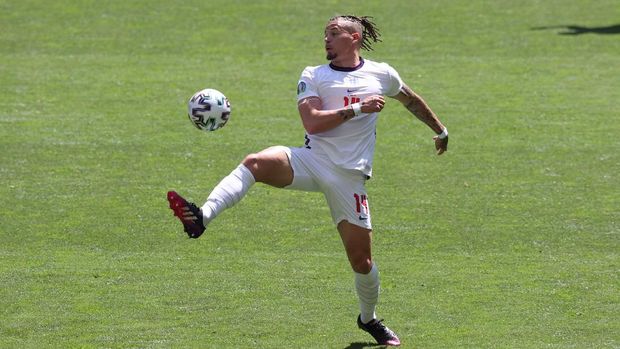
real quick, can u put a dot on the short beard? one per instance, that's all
(331, 56)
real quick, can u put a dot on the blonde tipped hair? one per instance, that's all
(362, 25)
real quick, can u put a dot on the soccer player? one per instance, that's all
(339, 104)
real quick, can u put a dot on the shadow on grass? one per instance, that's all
(360, 345)
(578, 30)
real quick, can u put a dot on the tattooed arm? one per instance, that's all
(418, 107)
(317, 120)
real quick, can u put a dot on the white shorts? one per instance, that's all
(344, 189)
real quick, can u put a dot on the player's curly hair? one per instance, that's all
(370, 32)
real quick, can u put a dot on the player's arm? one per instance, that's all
(317, 120)
(418, 107)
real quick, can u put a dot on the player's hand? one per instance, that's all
(373, 104)
(441, 144)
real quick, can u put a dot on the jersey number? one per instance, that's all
(351, 100)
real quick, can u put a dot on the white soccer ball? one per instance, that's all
(208, 109)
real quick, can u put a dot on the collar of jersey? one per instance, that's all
(347, 69)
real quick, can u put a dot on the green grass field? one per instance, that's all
(509, 240)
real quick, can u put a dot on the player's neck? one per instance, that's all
(347, 62)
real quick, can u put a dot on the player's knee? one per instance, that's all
(362, 265)
(252, 162)
(270, 166)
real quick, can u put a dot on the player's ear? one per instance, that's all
(356, 36)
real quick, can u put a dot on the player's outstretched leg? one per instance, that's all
(188, 214)
(379, 332)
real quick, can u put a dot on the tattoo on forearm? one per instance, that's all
(415, 103)
(418, 107)
(344, 114)
(413, 107)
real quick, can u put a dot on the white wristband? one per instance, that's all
(357, 109)
(443, 133)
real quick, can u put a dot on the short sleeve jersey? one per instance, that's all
(350, 145)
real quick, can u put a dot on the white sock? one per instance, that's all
(367, 287)
(228, 192)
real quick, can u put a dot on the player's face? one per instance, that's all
(338, 41)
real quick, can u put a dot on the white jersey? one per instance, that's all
(351, 145)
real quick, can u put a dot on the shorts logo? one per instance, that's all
(301, 87)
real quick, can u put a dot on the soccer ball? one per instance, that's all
(208, 109)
